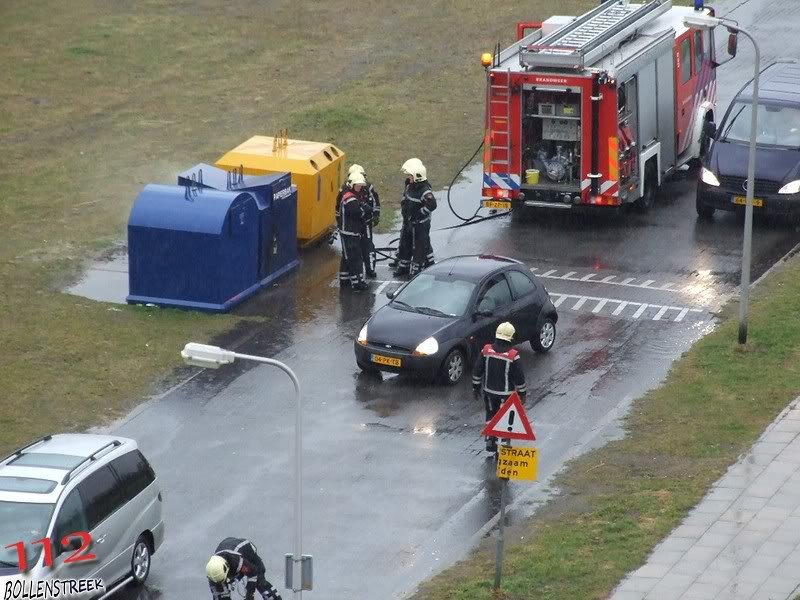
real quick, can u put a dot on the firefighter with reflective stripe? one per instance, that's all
(371, 204)
(497, 373)
(236, 560)
(415, 251)
(351, 228)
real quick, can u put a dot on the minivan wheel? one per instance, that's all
(545, 337)
(140, 561)
(453, 367)
(703, 211)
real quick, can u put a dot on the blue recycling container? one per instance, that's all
(276, 198)
(193, 247)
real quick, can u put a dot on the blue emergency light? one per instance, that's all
(698, 4)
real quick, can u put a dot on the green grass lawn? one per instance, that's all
(618, 502)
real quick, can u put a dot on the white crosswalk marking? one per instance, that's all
(581, 301)
(619, 309)
(681, 315)
(640, 310)
(660, 313)
(548, 273)
(600, 305)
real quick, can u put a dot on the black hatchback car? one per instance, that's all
(437, 322)
(723, 178)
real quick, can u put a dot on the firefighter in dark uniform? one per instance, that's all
(415, 251)
(351, 228)
(497, 373)
(236, 560)
(371, 204)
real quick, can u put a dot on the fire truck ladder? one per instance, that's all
(500, 125)
(592, 36)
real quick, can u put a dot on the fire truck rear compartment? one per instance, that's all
(551, 142)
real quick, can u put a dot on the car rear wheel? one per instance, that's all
(545, 337)
(453, 367)
(140, 560)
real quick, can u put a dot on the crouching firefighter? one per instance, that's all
(415, 251)
(351, 228)
(497, 373)
(236, 560)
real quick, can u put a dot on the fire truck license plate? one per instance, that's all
(386, 360)
(496, 204)
(743, 200)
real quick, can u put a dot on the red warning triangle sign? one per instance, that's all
(510, 422)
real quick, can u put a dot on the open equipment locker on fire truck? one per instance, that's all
(603, 105)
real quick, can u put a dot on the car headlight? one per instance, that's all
(708, 177)
(428, 347)
(362, 335)
(793, 187)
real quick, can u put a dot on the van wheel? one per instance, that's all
(703, 211)
(453, 367)
(646, 202)
(140, 560)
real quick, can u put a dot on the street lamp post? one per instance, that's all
(201, 355)
(704, 21)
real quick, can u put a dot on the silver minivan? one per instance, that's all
(92, 496)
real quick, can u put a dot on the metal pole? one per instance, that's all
(298, 463)
(498, 566)
(744, 292)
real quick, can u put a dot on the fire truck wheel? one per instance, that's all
(644, 203)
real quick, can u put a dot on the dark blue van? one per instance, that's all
(723, 177)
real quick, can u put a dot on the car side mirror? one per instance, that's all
(733, 43)
(391, 295)
(483, 313)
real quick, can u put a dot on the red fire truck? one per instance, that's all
(594, 111)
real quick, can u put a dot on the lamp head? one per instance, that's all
(201, 355)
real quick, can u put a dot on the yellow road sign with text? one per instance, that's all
(518, 463)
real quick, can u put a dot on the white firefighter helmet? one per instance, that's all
(505, 331)
(356, 179)
(217, 569)
(356, 169)
(415, 169)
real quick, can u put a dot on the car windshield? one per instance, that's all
(443, 295)
(778, 125)
(22, 522)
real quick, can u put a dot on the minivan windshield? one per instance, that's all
(778, 124)
(443, 296)
(22, 522)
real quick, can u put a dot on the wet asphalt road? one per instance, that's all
(396, 482)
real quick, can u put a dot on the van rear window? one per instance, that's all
(47, 460)
(28, 485)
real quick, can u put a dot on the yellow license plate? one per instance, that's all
(496, 204)
(743, 200)
(386, 360)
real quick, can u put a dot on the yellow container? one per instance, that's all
(532, 176)
(317, 170)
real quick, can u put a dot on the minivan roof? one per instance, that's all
(73, 446)
(779, 82)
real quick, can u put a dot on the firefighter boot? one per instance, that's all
(491, 444)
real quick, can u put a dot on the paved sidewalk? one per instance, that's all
(743, 540)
